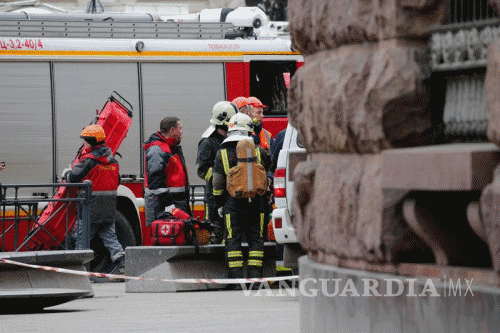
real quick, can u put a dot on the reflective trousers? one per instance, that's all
(248, 222)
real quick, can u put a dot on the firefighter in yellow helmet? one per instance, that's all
(96, 163)
(207, 149)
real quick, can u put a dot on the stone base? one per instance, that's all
(25, 289)
(437, 306)
(180, 262)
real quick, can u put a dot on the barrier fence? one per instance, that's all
(140, 278)
(26, 219)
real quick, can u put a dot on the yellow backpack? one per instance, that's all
(246, 179)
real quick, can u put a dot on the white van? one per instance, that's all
(290, 155)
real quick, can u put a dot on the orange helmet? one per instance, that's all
(254, 101)
(240, 102)
(93, 131)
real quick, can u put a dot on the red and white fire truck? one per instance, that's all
(57, 69)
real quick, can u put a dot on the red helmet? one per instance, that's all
(254, 101)
(240, 102)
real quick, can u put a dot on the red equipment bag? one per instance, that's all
(59, 217)
(171, 232)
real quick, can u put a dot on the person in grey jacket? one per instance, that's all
(96, 163)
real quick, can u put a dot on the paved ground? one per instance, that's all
(113, 310)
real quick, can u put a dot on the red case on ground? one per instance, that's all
(169, 232)
(50, 231)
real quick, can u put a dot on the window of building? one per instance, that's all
(462, 11)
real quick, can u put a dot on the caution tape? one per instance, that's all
(125, 277)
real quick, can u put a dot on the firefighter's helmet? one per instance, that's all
(240, 122)
(240, 102)
(222, 112)
(93, 132)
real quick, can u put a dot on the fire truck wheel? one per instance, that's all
(125, 233)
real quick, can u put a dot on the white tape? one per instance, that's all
(115, 276)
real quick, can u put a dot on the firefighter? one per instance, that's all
(265, 138)
(243, 105)
(166, 177)
(242, 216)
(96, 163)
(207, 150)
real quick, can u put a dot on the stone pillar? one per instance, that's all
(362, 90)
(490, 197)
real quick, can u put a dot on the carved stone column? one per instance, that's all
(362, 90)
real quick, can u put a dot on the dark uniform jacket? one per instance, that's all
(219, 182)
(207, 150)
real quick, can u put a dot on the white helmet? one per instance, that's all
(240, 122)
(222, 112)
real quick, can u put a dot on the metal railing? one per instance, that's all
(44, 223)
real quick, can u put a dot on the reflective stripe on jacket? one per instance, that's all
(165, 165)
(265, 139)
(98, 166)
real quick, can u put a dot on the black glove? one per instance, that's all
(163, 215)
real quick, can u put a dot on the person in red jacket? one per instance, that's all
(96, 163)
(166, 177)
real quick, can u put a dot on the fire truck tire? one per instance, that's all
(125, 233)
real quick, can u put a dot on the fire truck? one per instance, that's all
(58, 69)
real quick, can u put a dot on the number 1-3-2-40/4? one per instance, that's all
(21, 44)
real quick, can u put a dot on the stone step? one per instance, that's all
(181, 262)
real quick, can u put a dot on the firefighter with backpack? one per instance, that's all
(208, 146)
(239, 181)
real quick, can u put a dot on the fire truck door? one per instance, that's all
(26, 123)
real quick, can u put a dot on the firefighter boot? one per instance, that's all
(235, 273)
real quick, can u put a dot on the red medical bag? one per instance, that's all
(171, 232)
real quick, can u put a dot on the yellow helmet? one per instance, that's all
(222, 112)
(93, 131)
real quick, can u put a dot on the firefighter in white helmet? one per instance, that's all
(242, 215)
(207, 149)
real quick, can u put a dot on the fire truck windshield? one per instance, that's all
(269, 82)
